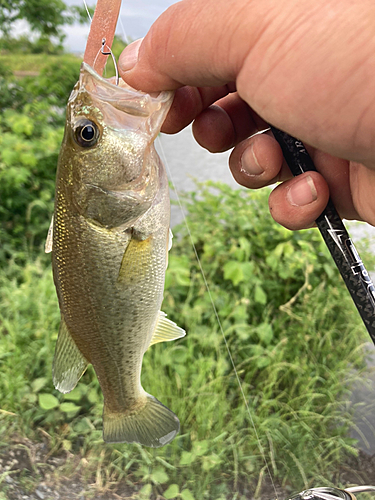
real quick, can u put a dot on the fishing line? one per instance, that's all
(102, 49)
(170, 176)
(126, 39)
(261, 449)
(87, 10)
(109, 53)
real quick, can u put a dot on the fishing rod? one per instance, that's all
(329, 493)
(343, 251)
(335, 235)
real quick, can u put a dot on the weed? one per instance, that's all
(295, 337)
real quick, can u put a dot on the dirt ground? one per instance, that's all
(28, 472)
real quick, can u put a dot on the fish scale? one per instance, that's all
(109, 253)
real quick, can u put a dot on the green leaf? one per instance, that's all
(84, 426)
(233, 272)
(48, 401)
(187, 495)
(259, 295)
(38, 384)
(93, 395)
(248, 270)
(69, 407)
(75, 395)
(200, 447)
(243, 331)
(28, 158)
(159, 476)
(30, 398)
(171, 492)
(20, 124)
(210, 462)
(67, 445)
(262, 362)
(146, 491)
(265, 332)
(257, 350)
(187, 458)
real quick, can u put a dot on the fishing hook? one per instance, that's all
(110, 53)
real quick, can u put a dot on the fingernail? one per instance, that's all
(129, 57)
(302, 192)
(249, 162)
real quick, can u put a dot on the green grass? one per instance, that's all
(33, 62)
(296, 363)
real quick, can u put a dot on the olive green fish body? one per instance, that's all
(110, 245)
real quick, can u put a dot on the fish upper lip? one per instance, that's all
(137, 102)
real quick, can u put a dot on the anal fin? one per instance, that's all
(166, 330)
(68, 364)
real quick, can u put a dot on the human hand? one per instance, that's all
(305, 67)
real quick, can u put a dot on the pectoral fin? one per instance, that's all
(166, 330)
(68, 364)
(135, 262)
(48, 245)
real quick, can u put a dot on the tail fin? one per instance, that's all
(153, 424)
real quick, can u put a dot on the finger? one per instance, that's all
(224, 125)
(258, 162)
(297, 203)
(190, 44)
(337, 175)
(362, 181)
(189, 102)
(211, 42)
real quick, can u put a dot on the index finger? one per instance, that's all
(189, 102)
(200, 34)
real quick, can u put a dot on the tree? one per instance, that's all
(45, 17)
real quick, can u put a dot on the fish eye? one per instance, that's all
(86, 133)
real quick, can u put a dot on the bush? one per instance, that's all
(295, 337)
(25, 45)
(31, 129)
(29, 145)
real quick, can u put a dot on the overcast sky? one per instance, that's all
(136, 17)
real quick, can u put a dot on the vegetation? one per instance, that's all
(35, 63)
(31, 130)
(46, 30)
(32, 116)
(290, 325)
(294, 334)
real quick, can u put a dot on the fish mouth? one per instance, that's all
(122, 96)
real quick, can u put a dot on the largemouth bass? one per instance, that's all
(110, 242)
